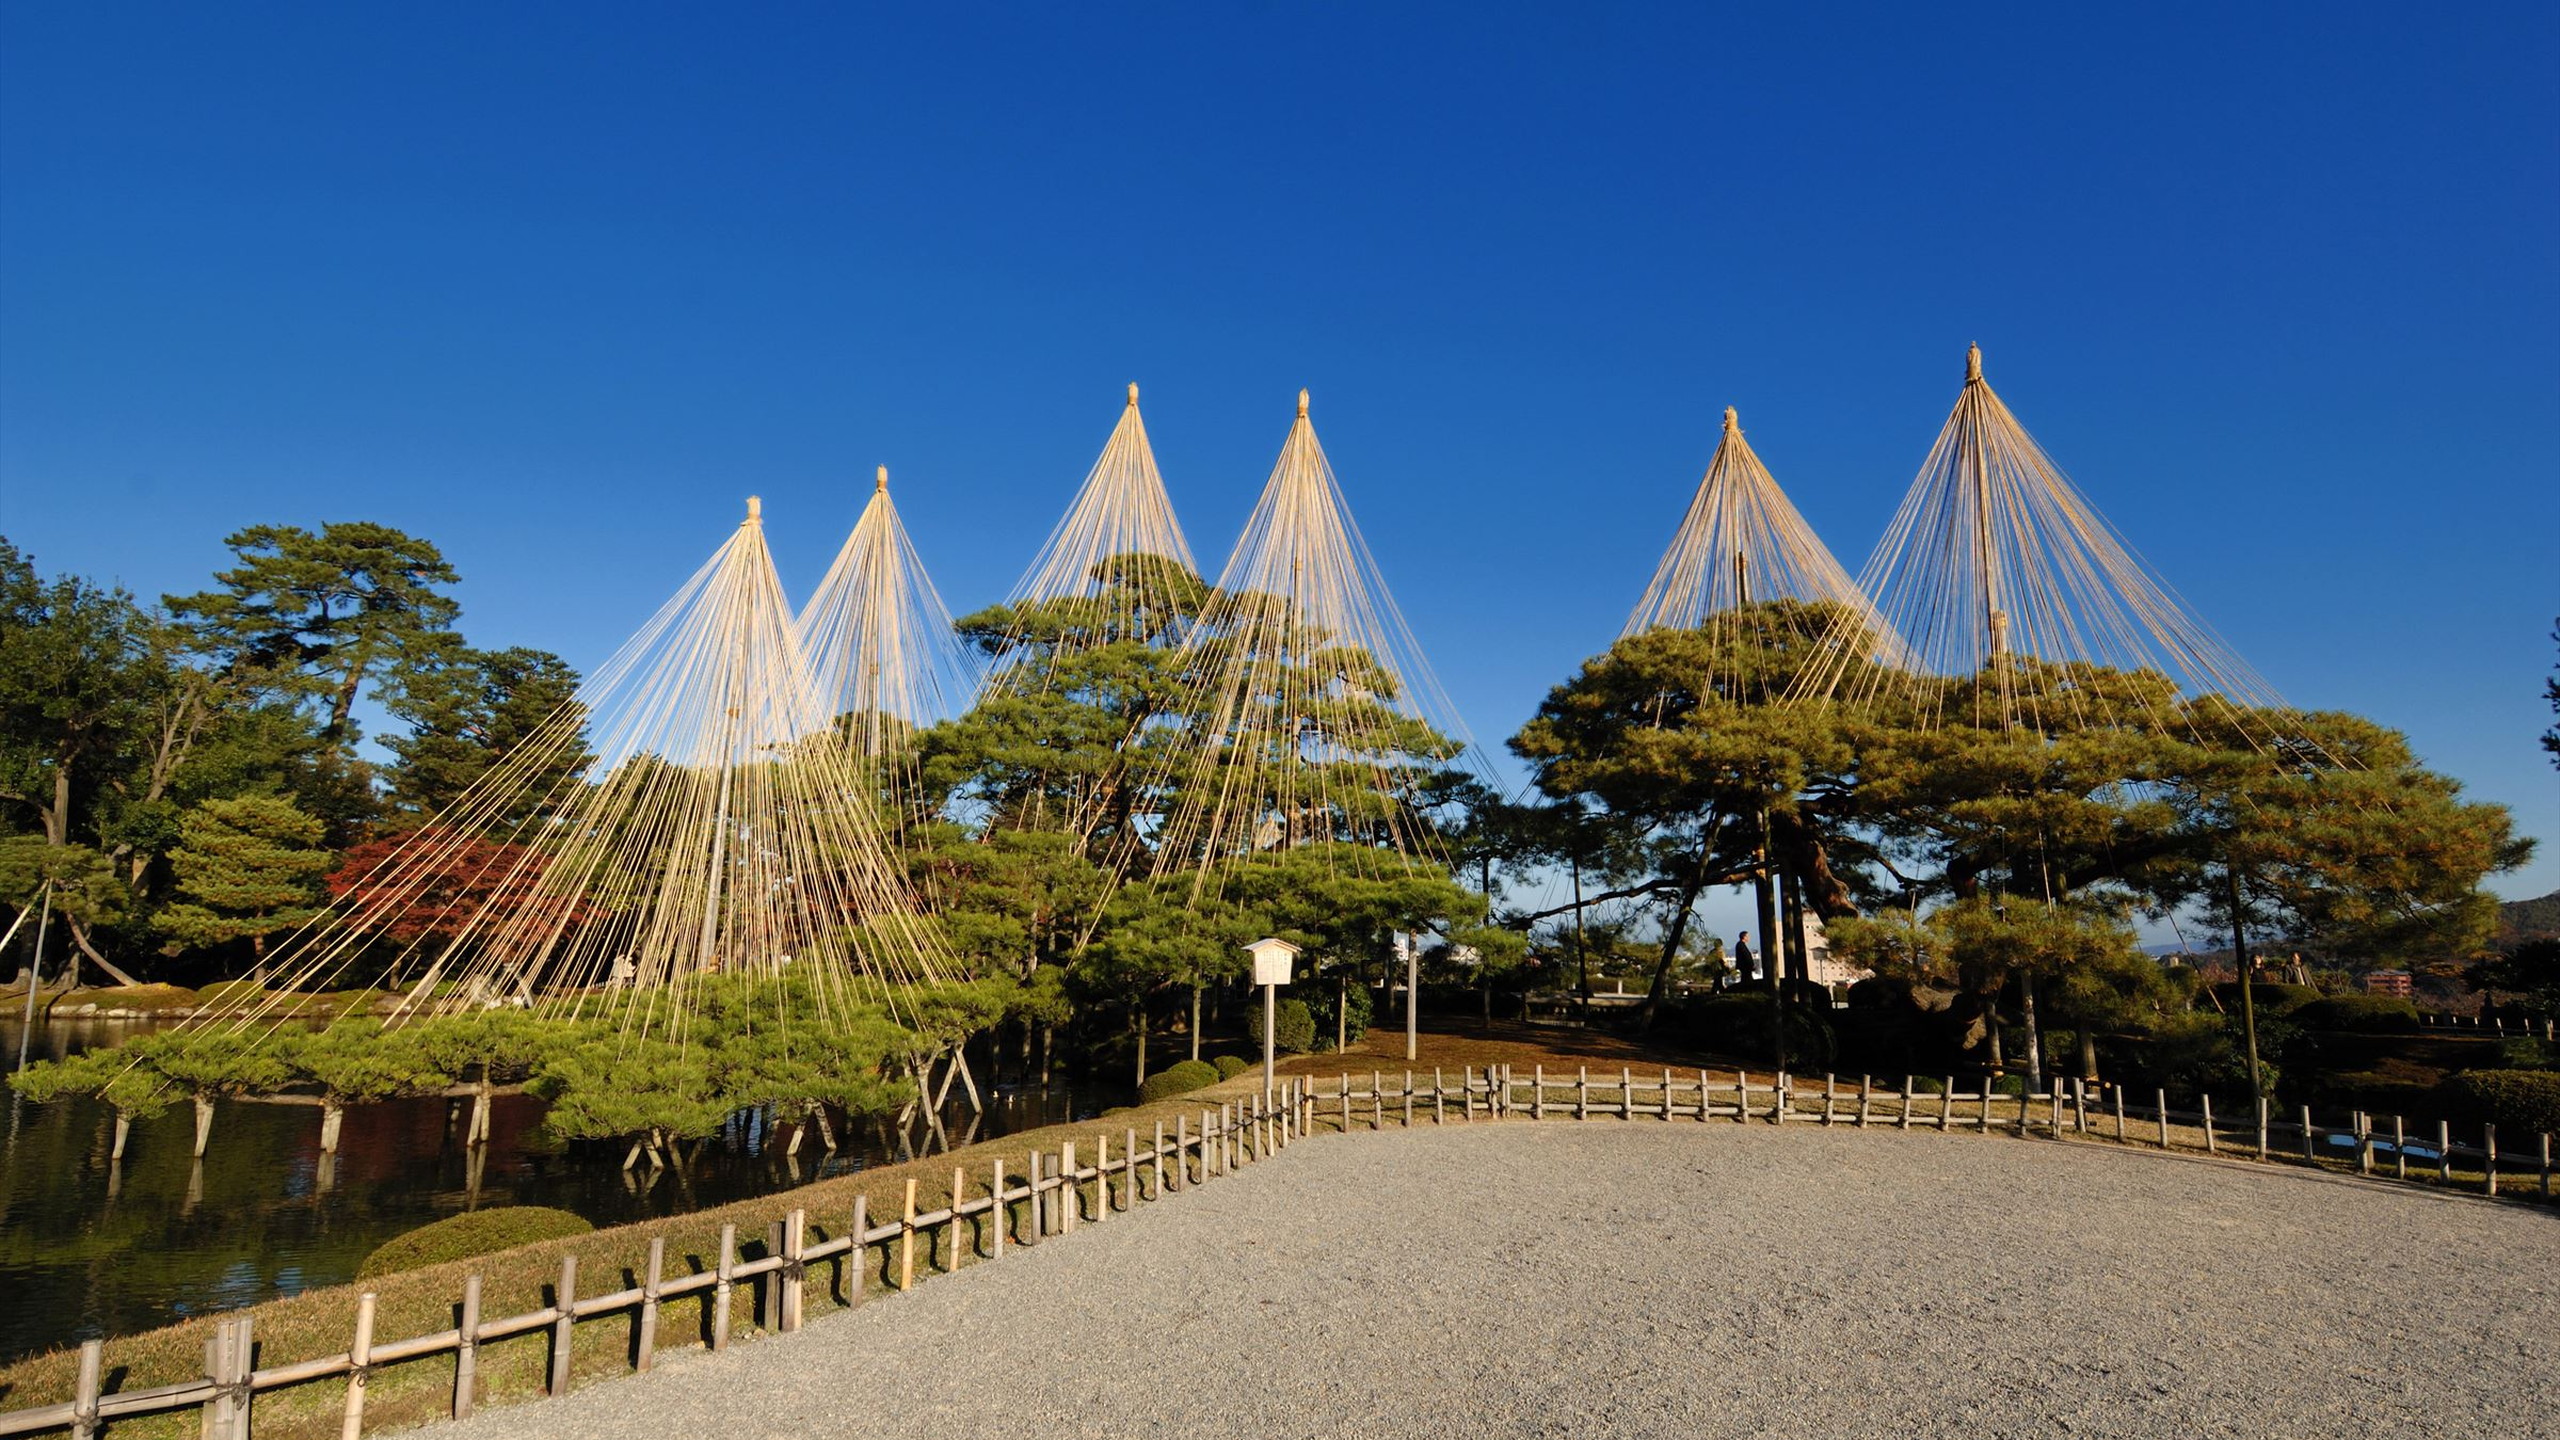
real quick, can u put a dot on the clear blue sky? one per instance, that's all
(556, 286)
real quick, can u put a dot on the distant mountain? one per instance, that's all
(2529, 919)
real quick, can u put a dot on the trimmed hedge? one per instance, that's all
(460, 1237)
(1178, 1079)
(1293, 1026)
(2519, 1102)
(2357, 1012)
(2270, 998)
(1231, 1066)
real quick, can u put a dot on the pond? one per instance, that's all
(90, 1248)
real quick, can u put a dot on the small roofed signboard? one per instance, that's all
(1271, 959)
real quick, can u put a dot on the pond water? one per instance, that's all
(90, 1248)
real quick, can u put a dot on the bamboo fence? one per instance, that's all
(1065, 1190)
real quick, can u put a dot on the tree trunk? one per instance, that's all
(2088, 1055)
(1671, 942)
(1341, 1013)
(1138, 1022)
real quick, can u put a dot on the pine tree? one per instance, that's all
(247, 868)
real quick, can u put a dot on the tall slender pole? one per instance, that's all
(35, 975)
(1412, 997)
(1270, 1044)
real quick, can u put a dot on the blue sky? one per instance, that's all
(558, 286)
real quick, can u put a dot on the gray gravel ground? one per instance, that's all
(1601, 1279)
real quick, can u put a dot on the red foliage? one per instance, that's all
(434, 883)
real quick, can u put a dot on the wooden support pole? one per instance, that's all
(1830, 1093)
(907, 1238)
(2310, 1140)
(2399, 1149)
(1346, 1102)
(1582, 1092)
(1155, 1158)
(2206, 1101)
(1741, 1096)
(769, 1294)
(1626, 1093)
(723, 1286)
(2489, 1158)
(84, 1397)
(2263, 1103)
(1982, 1122)
(359, 1369)
(2163, 1108)
(648, 1342)
(560, 1327)
(1070, 1194)
(2364, 1143)
(1408, 1099)
(466, 1354)
(2444, 1152)
(1866, 1098)
(793, 1276)
(1904, 1123)
(2119, 1097)
(1439, 1098)
(858, 1255)
(1182, 1139)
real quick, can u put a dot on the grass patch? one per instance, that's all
(466, 1236)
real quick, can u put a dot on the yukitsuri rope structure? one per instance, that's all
(1315, 712)
(1995, 565)
(1741, 542)
(719, 825)
(880, 645)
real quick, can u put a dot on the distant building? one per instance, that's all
(2387, 982)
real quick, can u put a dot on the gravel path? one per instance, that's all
(1707, 1281)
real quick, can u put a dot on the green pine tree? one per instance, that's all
(247, 868)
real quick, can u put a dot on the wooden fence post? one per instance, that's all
(1741, 1097)
(1582, 1092)
(2310, 1146)
(1070, 1194)
(1346, 1102)
(1866, 1097)
(2163, 1110)
(2444, 1152)
(228, 1356)
(769, 1294)
(1155, 1158)
(795, 1242)
(359, 1369)
(858, 1256)
(1626, 1093)
(2364, 1143)
(2206, 1100)
(907, 1237)
(1830, 1094)
(2489, 1158)
(2263, 1102)
(648, 1343)
(1982, 1122)
(2399, 1149)
(1778, 1102)
(466, 1355)
(1439, 1098)
(724, 1286)
(1904, 1123)
(2118, 1092)
(568, 1298)
(84, 1399)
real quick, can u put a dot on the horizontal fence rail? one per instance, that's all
(1069, 1188)
(1062, 1190)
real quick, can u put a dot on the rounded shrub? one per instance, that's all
(1231, 1066)
(460, 1237)
(2357, 1012)
(1293, 1027)
(2520, 1102)
(2269, 997)
(1177, 1079)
